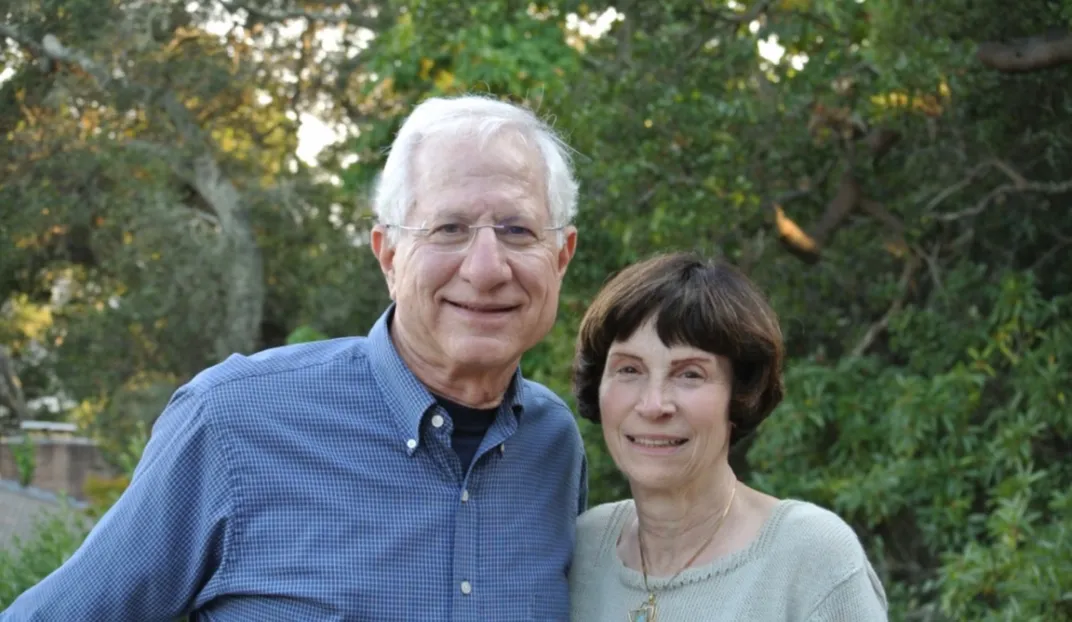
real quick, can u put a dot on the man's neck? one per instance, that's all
(476, 388)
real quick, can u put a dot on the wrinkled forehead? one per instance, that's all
(470, 176)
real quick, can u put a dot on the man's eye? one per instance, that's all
(518, 233)
(450, 229)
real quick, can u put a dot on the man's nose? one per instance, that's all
(485, 265)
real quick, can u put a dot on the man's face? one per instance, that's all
(479, 306)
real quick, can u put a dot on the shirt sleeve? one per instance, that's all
(859, 597)
(159, 551)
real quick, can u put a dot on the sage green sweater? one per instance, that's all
(806, 565)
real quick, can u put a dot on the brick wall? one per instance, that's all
(62, 464)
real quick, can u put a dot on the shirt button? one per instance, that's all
(411, 443)
(465, 496)
(466, 587)
(437, 421)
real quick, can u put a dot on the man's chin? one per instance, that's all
(484, 353)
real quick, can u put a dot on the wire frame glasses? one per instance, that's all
(456, 237)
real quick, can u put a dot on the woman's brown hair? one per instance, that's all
(705, 304)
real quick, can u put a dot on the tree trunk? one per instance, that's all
(244, 283)
(13, 409)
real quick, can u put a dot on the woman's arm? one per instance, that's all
(858, 598)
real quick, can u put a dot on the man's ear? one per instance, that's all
(385, 255)
(568, 248)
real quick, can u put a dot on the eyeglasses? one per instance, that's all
(456, 237)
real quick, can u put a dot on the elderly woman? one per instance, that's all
(678, 359)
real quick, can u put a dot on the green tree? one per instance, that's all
(893, 173)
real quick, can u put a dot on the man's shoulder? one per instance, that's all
(550, 412)
(544, 399)
(280, 368)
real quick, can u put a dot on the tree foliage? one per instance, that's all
(895, 174)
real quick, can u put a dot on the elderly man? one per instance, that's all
(412, 474)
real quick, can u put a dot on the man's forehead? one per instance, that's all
(471, 200)
(444, 158)
(468, 178)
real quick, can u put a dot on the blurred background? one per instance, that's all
(183, 180)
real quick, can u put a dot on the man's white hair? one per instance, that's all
(481, 118)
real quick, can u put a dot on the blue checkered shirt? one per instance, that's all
(316, 482)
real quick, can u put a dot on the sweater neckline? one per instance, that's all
(755, 549)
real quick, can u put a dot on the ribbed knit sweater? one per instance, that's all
(806, 565)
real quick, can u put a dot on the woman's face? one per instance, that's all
(665, 411)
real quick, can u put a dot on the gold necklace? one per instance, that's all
(646, 611)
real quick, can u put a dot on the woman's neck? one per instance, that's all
(675, 525)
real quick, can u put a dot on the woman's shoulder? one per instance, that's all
(808, 525)
(828, 558)
(597, 523)
(815, 538)
(602, 516)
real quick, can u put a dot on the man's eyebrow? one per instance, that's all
(450, 213)
(512, 219)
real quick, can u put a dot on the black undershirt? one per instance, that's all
(470, 426)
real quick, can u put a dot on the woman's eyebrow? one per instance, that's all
(695, 358)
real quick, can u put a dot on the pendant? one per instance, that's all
(645, 612)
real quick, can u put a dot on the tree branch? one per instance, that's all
(1030, 54)
(348, 16)
(931, 259)
(749, 15)
(790, 234)
(245, 289)
(165, 153)
(51, 47)
(793, 238)
(24, 41)
(903, 286)
(1027, 186)
(1062, 242)
(879, 212)
(1017, 180)
(808, 245)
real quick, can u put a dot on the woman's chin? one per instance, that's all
(655, 480)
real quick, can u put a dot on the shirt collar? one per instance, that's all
(407, 397)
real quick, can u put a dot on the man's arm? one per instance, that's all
(156, 554)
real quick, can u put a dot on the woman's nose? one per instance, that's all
(655, 402)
